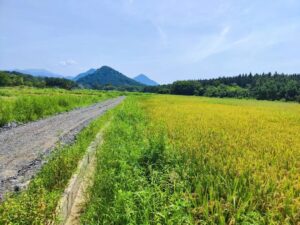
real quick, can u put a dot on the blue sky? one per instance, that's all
(165, 39)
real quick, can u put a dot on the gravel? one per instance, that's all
(23, 148)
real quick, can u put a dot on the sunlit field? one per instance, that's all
(28, 104)
(247, 155)
(194, 160)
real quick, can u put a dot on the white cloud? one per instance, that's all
(67, 62)
(251, 44)
(209, 45)
(162, 34)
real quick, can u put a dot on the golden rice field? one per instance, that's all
(241, 157)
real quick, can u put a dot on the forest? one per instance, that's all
(259, 86)
(10, 79)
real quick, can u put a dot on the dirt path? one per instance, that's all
(23, 148)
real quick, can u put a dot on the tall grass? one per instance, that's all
(29, 104)
(136, 182)
(188, 160)
(37, 204)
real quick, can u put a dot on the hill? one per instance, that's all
(106, 76)
(145, 80)
(14, 78)
(90, 71)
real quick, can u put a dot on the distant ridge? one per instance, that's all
(106, 76)
(145, 80)
(39, 73)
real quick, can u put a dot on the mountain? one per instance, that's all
(39, 73)
(145, 80)
(90, 71)
(106, 76)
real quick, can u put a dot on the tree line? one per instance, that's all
(268, 86)
(8, 79)
(260, 86)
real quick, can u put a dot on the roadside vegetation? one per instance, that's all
(37, 204)
(192, 160)
(29, 104)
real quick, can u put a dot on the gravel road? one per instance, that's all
(23, 148)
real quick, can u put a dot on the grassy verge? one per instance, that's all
(37, 204)
(28, 104)
(135, 181)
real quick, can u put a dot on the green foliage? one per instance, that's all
(126, 88)
(136, 180)
(161, 89)
(224, 91)
(186, 88)
(8, 79)
(28, 104)
(106, 77)
(263, 87)
(37, 204)
(5, 112)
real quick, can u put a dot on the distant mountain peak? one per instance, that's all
(142, 78)
(106, 67)
(106, 75)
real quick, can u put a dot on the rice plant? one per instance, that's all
(193, 160)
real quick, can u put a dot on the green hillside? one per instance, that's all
(11, 79)
(106, 76)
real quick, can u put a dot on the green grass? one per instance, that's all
(29, 104)
(136, 180)
(37, 204)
